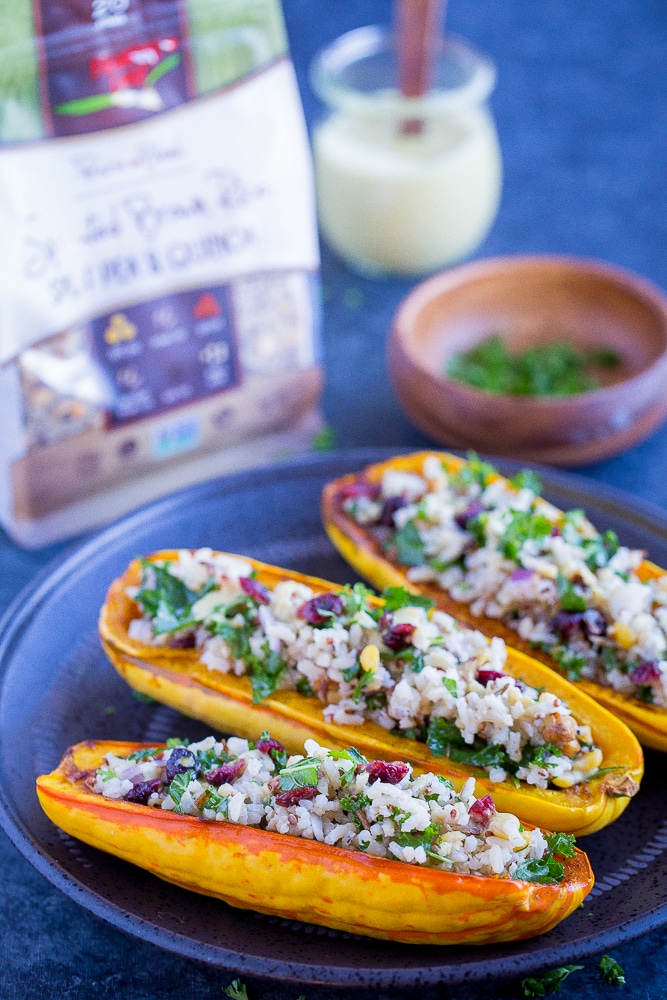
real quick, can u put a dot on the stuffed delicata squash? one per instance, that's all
(326, 837)
(495, 554)
(247, 647)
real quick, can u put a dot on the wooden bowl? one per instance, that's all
(530, 300)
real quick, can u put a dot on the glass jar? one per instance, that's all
(405, 186)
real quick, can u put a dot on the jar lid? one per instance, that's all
(358, 72)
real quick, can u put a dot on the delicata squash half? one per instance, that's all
(328, 837)
(495, 554)
(247, 648)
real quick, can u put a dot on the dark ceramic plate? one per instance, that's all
(58, 689)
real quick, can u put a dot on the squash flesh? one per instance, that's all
(305, 880)
(176, 677)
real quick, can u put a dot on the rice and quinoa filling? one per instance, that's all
(338, 798)
(412, 670)
(496, 545)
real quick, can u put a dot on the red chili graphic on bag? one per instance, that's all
(130, 77)
(131, 68)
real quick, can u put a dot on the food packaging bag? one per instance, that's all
(160, 306)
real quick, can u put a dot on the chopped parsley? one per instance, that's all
(528, 480)
(236, 990)
(474, 472)
(560, 843)
(611, 971)
(523, 526)
(557, 368)
(179, 786)
(547, 982)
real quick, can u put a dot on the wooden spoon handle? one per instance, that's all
(418, 28)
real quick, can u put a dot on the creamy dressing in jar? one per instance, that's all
(404, 201)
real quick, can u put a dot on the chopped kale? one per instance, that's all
(215, 801)
(600, 549)
(301, 774)
(398, 597)
(444, 739)
(569, 596)
(543, 870)
(165, 599)
(571, 663)
(408, 545)
(304, 687)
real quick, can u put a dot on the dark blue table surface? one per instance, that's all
(581, 108)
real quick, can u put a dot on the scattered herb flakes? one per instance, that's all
(325, 440)
(236, 990)
(547, 982)
(353, 298)
(527, 479)
(110, 710)
(611, 971)
(552, 369)
(145, 699)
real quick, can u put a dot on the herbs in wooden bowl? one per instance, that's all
(540, 358)
(556, 368)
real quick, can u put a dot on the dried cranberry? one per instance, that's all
(173, 767)
(593, 622)
(645, 673)
(389, 771)
(226, 772)
(266, 746)
(142, 791)
(521, 574)
(359, 488)
(468, 513)
(482, 810)
(389, 508)
(556, 532)
(296, 795)
(253, 588)
(321, 608)
(566, 623)
(486, 676)
(184, 641)
(397, 636)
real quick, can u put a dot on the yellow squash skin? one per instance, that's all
(305, 880)
(359, 548)
(176, 677)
